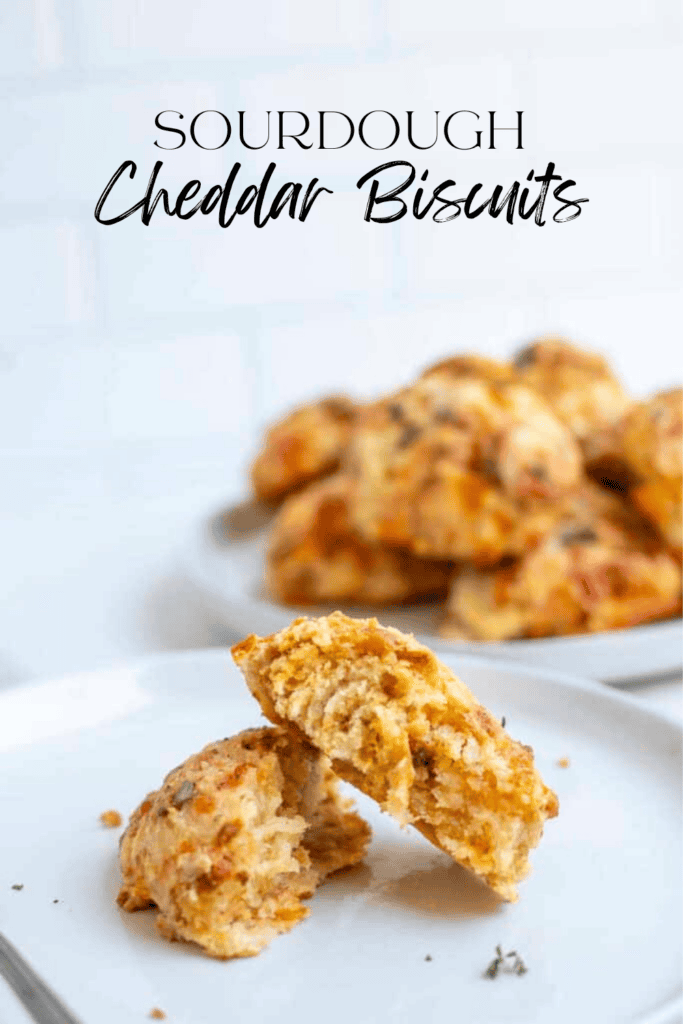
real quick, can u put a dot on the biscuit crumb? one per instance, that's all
(112, 819)
(157, 1014)
(563, 762)
(18, 886)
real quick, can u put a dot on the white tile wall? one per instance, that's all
(436, 24)
(130, 31)
(30, 38)
(183, 387)
(630, 89)
(136, 362)
(47, 277)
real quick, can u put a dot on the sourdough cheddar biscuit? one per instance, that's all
(306, 444)
(315, 556)
(460, 468)
(235, 839)
(578, 385)
(650, 442)
(402, 728)
(602, 567)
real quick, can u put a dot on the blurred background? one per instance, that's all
(138, 365)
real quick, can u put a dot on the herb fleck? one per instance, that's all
(493, 968)
(511, 963)
(502, 721)
(18, 886)
(527, 357)
(428, 958)
(410, 434)
(579, 535)
(183, 793)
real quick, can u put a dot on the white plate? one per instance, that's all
(227, 566)
(598, 922)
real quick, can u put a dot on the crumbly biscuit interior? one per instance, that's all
(402, 728)
(235, 839)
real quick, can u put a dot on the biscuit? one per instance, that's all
(306, 444)
(315, 556)
(405, 730)
(601, 567)
(643, 454)
(459, 468)
(578, 385)
(651, 444)
(480, 367)
(237, 836)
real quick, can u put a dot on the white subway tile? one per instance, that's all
(53, 391)
(130, 32)
(30, 37)
(47, 279)
(178, 387)
(614, 97)
(585, 17)
(438, 23)
(103, 391)
(49, 34)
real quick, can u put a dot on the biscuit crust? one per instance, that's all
(578, 385)
(643, 454)
(457, 467)
(400, 726)
(314, 555)
(306, 444)
(236, 837)
(602, 567)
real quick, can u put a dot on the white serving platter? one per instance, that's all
(224, 558)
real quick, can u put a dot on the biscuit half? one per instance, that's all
(237, 836)
(400, 726)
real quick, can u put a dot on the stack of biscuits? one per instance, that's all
(534, 497)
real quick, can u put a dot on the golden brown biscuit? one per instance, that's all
(601, 567)
(480, 367)
(235, 838)
(652, 447)
(401, 727)
(578, 385)
(643, 454)
(459, 468)
(314, 555)
(306, 444)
